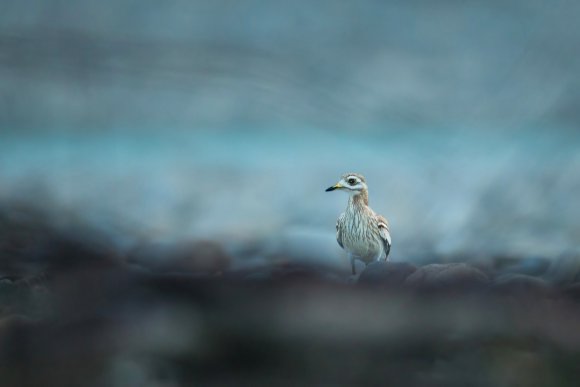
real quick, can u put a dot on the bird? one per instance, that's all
(361, 232)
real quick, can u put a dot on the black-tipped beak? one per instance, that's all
(336, 186)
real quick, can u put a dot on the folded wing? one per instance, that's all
(384, 233)
(339, 228)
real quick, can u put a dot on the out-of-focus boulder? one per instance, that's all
(447, 276)
(189, 257)
(564, 270)
(521, 285)
(386, 274)
(573, 291)
(533, 266)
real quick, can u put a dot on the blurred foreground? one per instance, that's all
(76, 312)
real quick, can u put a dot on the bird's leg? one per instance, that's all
(352, 264)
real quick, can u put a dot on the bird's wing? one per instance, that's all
(383, 224)
(338, 230)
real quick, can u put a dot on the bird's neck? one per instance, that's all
(359, 200)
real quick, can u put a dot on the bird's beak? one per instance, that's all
(336, 186)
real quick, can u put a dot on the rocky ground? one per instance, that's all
(76, 312)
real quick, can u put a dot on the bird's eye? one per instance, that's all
(351, 181)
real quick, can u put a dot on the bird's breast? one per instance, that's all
(361, 237)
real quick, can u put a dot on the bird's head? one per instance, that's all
(353, 183)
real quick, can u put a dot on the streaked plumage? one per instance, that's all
(359, 230)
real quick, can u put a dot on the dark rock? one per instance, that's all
(295, 272)
(13, 321)
(189, 257)
(503, 262)
(259, 276)
(447, 276)
(521, 285)
(13, 332)
(533, 266)
(573, 291)
(31, 247)
(564, 270)
(386, 274)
